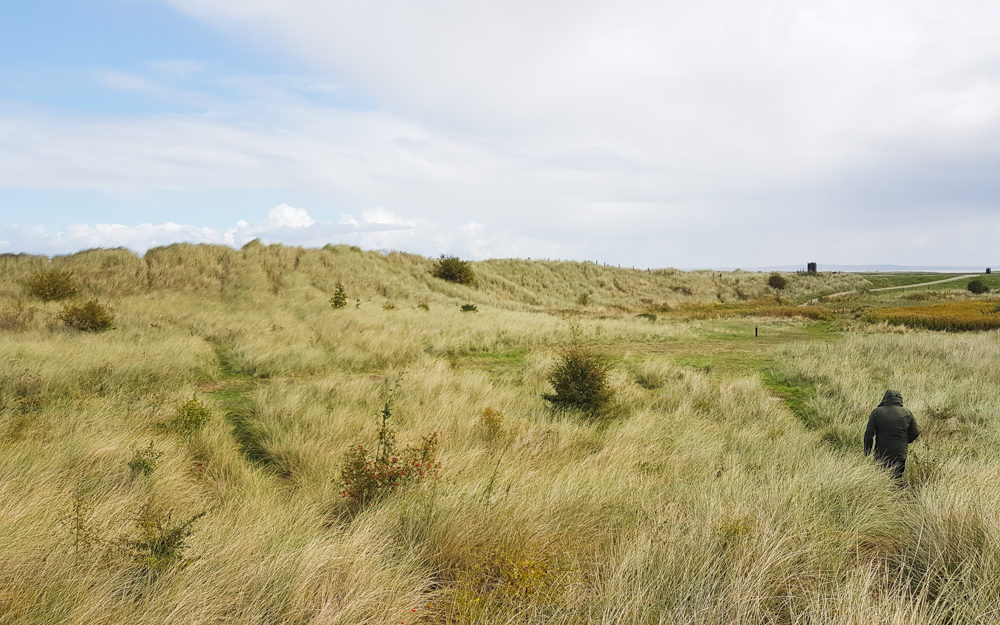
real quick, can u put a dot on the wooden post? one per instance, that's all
(755, 331)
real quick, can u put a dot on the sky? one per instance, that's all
(632, 132)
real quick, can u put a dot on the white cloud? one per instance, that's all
(659, 133)
(374, 229)
(285, 216)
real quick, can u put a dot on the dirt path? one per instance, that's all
(893, 288)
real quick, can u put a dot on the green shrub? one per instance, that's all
(583, 299)
(339, 299)
(580, 381)
(469, 308)
(190, 417)
(50, 285)
(87, 317)
(647, 315)
(144, 460)
(454, 269)
(777, 281)
(977, 287)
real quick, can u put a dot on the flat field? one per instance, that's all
(187, 465)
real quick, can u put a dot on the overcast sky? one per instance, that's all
(633, 132)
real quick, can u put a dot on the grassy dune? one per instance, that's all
(727, 487)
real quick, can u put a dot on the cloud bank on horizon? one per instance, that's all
(633, 132)
(371, 229)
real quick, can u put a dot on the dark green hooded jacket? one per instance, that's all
(891, 426)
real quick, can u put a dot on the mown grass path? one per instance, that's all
(892, 288)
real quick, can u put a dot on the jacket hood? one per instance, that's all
(892, 398)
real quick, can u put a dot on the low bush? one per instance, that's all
(50, 285)
(387, 305)
(777, 281)
(87, 317)
(190, 417)
(339, 299)
(493, 579)
(490, 424)
(423, 305)
(469, 308)
(647, 315)
(454, 269)
(369, 475)
(144, 460)
(977, 287)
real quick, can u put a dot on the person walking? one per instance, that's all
(891, 427)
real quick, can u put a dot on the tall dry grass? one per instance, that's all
(704, 501)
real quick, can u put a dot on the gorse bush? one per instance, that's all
(339, 299)
(87, 317)
(454, 269)
(368, 475)
(469, 308)
(50, 285)
(580, 380)
(977, 287)
(777, 281)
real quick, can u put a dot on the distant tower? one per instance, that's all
(988, 270)
(811, 267)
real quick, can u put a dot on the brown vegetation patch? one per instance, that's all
(951, 316)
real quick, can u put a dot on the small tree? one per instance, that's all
(159, 541)
(777, 281)
(339, 299)
(977, 287)
(454, 269)
(50, 285)
(580, 380)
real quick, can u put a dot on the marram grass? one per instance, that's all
(705, 499)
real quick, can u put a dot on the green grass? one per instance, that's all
(882, 280)
(992, 281)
